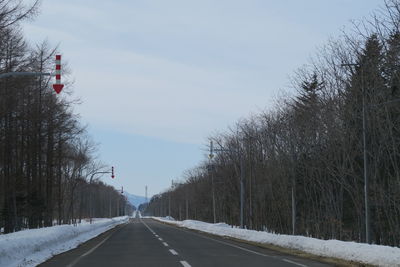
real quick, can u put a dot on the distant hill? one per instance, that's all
(134, 199)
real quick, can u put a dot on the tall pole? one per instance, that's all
(241, 191)
(162, 208)
(293, 207)
(213, 195)
(169, 204)
(366, 182)
(210, 156)
(147, 202)
(109, 204)
(91, 213)
(242, 177)
(187, 208)
(169, 199)
(365, 151)
(293, 173)
(118, 209)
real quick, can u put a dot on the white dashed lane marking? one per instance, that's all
(185, 264)
(295, 263)
(241, 248)
(173, 252)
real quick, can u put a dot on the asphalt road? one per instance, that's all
(145, 242)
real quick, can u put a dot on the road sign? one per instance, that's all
(58, 86)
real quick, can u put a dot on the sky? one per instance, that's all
(156, 78)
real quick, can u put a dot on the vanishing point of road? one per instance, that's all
(145, 242)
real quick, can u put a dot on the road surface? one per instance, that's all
(145, 242)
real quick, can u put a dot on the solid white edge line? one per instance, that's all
(173, 252)
(232, 245)
(222, 242)
(185, 264)
(88, 252)
(295, 263)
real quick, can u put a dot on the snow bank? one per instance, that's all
(351, 251)
(34, 246)
(168, 218)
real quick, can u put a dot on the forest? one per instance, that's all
(323, 162)
(49, 171)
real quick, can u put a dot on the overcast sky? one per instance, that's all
(157, 77)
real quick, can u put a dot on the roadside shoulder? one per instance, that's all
(279, 249)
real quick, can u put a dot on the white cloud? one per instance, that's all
(157, 97)
(177, 69)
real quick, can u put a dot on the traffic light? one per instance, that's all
(112, 172)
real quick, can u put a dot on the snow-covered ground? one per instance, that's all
(34, 246)
(351, 251)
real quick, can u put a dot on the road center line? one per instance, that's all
(185, 264)
(173, 252)
(225, 243)
(222, 242)
(295, 263)
(151, 230)
(165, 244)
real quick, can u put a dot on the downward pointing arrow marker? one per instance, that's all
(58, 86)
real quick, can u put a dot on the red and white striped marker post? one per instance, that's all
(58, 86)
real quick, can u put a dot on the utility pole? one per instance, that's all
(293, 206)
(146, 194)
(187, 208)
(109, 203)
(242, 173)
(242, 178)
(293, 174)
(364, 136)
(169, 199)
(91, 193)
(162, 208)
(210, 156)
(366, 180)
(169, 204)
(146, 201)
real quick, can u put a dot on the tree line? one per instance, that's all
(47, 159)
(303, 160)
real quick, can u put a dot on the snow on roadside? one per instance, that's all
(34, 246)
(350, 251)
